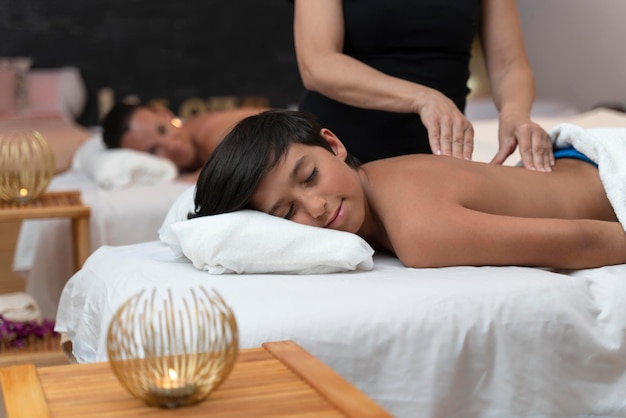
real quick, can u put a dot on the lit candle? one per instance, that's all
(172, 391)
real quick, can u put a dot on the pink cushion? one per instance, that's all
(55, 91)
(7, 92)
(43, 90)
(40, 93)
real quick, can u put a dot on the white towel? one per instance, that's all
(607, 148)
(113, 169)
(19, 307)
(249, 241)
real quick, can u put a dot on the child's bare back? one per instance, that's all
(440, 210)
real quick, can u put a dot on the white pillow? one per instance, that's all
(181, 207)
(113, 169)
(249, 241)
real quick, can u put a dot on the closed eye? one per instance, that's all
(312, 177)
(290, 212)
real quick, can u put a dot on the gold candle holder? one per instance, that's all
(174, 351)
(26, 166)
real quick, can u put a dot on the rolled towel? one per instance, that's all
(19, 307)
(113, 169)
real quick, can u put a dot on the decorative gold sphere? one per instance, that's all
(173, 351)
(26, 166)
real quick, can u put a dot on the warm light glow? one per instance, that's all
(177, 379)
(177, 122)
(26, 166)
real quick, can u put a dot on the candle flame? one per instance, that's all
(177, 122)
(173, 374)
(23, 192)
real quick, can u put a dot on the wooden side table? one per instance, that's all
(62, 204)
(278, 380)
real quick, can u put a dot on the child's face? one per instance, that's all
(312, 186)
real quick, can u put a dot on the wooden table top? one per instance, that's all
(278, 380)
(47, 205)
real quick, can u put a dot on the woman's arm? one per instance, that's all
(513, 86)
(319, 37)
(460, 236)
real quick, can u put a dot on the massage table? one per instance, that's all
(435, 342)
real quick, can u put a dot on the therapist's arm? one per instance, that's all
(319, 38)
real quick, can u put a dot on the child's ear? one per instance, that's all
(335, 144)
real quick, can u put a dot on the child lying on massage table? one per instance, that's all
(430, 211)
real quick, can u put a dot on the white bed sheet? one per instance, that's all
(120, 217)
(448, 342)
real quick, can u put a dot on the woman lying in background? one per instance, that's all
(157, 131)
(431, 211)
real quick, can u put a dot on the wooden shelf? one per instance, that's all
(61, 204)
(47, 205)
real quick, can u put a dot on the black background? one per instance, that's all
(160, 49)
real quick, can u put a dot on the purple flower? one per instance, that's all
(17, 334)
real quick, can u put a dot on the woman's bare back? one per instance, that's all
(209, 128)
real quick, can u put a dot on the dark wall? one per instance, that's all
(160, 49)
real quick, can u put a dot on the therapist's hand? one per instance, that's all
(449, 131)
(534, 143)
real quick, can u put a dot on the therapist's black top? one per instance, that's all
(424, 41)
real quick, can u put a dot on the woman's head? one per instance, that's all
(250, 151)
(150, 129)
(117, 122)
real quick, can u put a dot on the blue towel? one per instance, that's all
(571, 152)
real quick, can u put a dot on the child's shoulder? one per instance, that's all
(403, 162)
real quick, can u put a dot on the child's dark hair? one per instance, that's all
(253, 147)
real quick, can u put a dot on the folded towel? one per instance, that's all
(19, 307)
(249, 241)
(607, 148)
(113, 169)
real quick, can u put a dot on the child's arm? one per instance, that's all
(460, 236)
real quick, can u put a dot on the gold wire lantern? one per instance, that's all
(26, 166)
(175, 351)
